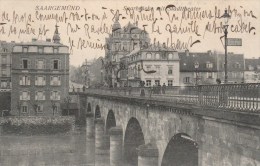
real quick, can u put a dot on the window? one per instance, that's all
(186, 80)
(157, 82)
(40, 80)
(39, 95)
(170, 82)
(169, 70)
(258, 67)
(170, 56)
(148, 68)
(55, 80)
(237, 65)
(148, 56)
(250, 67)
(40, 50)
(157, 56)
(55, 50)
(40, 108)
(4, 72)
(148, 82)
(209, 65)
(55, 95)
(3, 83)
(25, 49)
(4, 61)
(40, 64)
(25, 64)
(210, 75)
(56, 64)
(157, 68)
(25, 80)
(24, 109)
(24, 95)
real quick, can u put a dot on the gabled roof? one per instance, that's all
(188, 59)
(39, 43)
(253, 63)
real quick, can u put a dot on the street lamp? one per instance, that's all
(196, 65)
(226, 18)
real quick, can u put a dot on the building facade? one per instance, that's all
(252, 70)
(5, 65)
(121, 42)
(40, 77)
(198, 68)
(153, 66)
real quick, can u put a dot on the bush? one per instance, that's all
(37, 125)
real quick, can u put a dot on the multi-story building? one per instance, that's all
(198, 68)
(207, 67)
(235, 67)
(5, 65)
(156, 65)
(121, 42)
(40, 76)
(252, 70)
(5, 77)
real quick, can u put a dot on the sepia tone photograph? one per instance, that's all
(129, 83)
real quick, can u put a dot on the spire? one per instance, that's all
(56, 36)
(116, 24)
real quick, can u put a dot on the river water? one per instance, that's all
(63, 149)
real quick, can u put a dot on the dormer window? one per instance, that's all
(250, 67)
(209, 65)
(148, 55)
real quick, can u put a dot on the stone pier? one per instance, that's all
(116, 141)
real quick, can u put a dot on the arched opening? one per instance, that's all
(134, 137)
(97, 112)
(111, 121)
(89, 108)
(181, 151)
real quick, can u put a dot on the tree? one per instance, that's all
(53, 106)
(67, 102)
(35, 105)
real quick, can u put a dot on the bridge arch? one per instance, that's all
(97, 112)
(110, 121)
(134, 137)
(89, 108)
(181, 150)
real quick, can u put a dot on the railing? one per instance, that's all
(238, 97)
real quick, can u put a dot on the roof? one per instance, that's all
(39, 43)
(188, 59)
(253, 63)
(6, 45)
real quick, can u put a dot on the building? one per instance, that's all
(155, 65)
(207, 67)
(40, 77)
(198, 68)
(235, 67)
(121, 42)
(252, 70)
(5, 65)
(5, 77)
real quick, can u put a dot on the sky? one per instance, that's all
(181, 24)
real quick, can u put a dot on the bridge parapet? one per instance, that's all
(238, 97)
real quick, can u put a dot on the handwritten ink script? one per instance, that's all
(180, 27)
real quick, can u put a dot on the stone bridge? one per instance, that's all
(153, 131)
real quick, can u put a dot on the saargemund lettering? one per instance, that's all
(67, 7)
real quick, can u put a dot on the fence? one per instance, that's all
(239, 97)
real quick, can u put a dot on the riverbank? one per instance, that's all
(35, 125)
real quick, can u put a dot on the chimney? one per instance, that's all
(48, 40)
(164, 45)
(34, 39)
(209, 52)
(187, 52)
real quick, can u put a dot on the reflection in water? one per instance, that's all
(71, 149)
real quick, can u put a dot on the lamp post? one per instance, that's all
(226, 18)
(196, 66)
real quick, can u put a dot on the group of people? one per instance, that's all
(158, 89)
